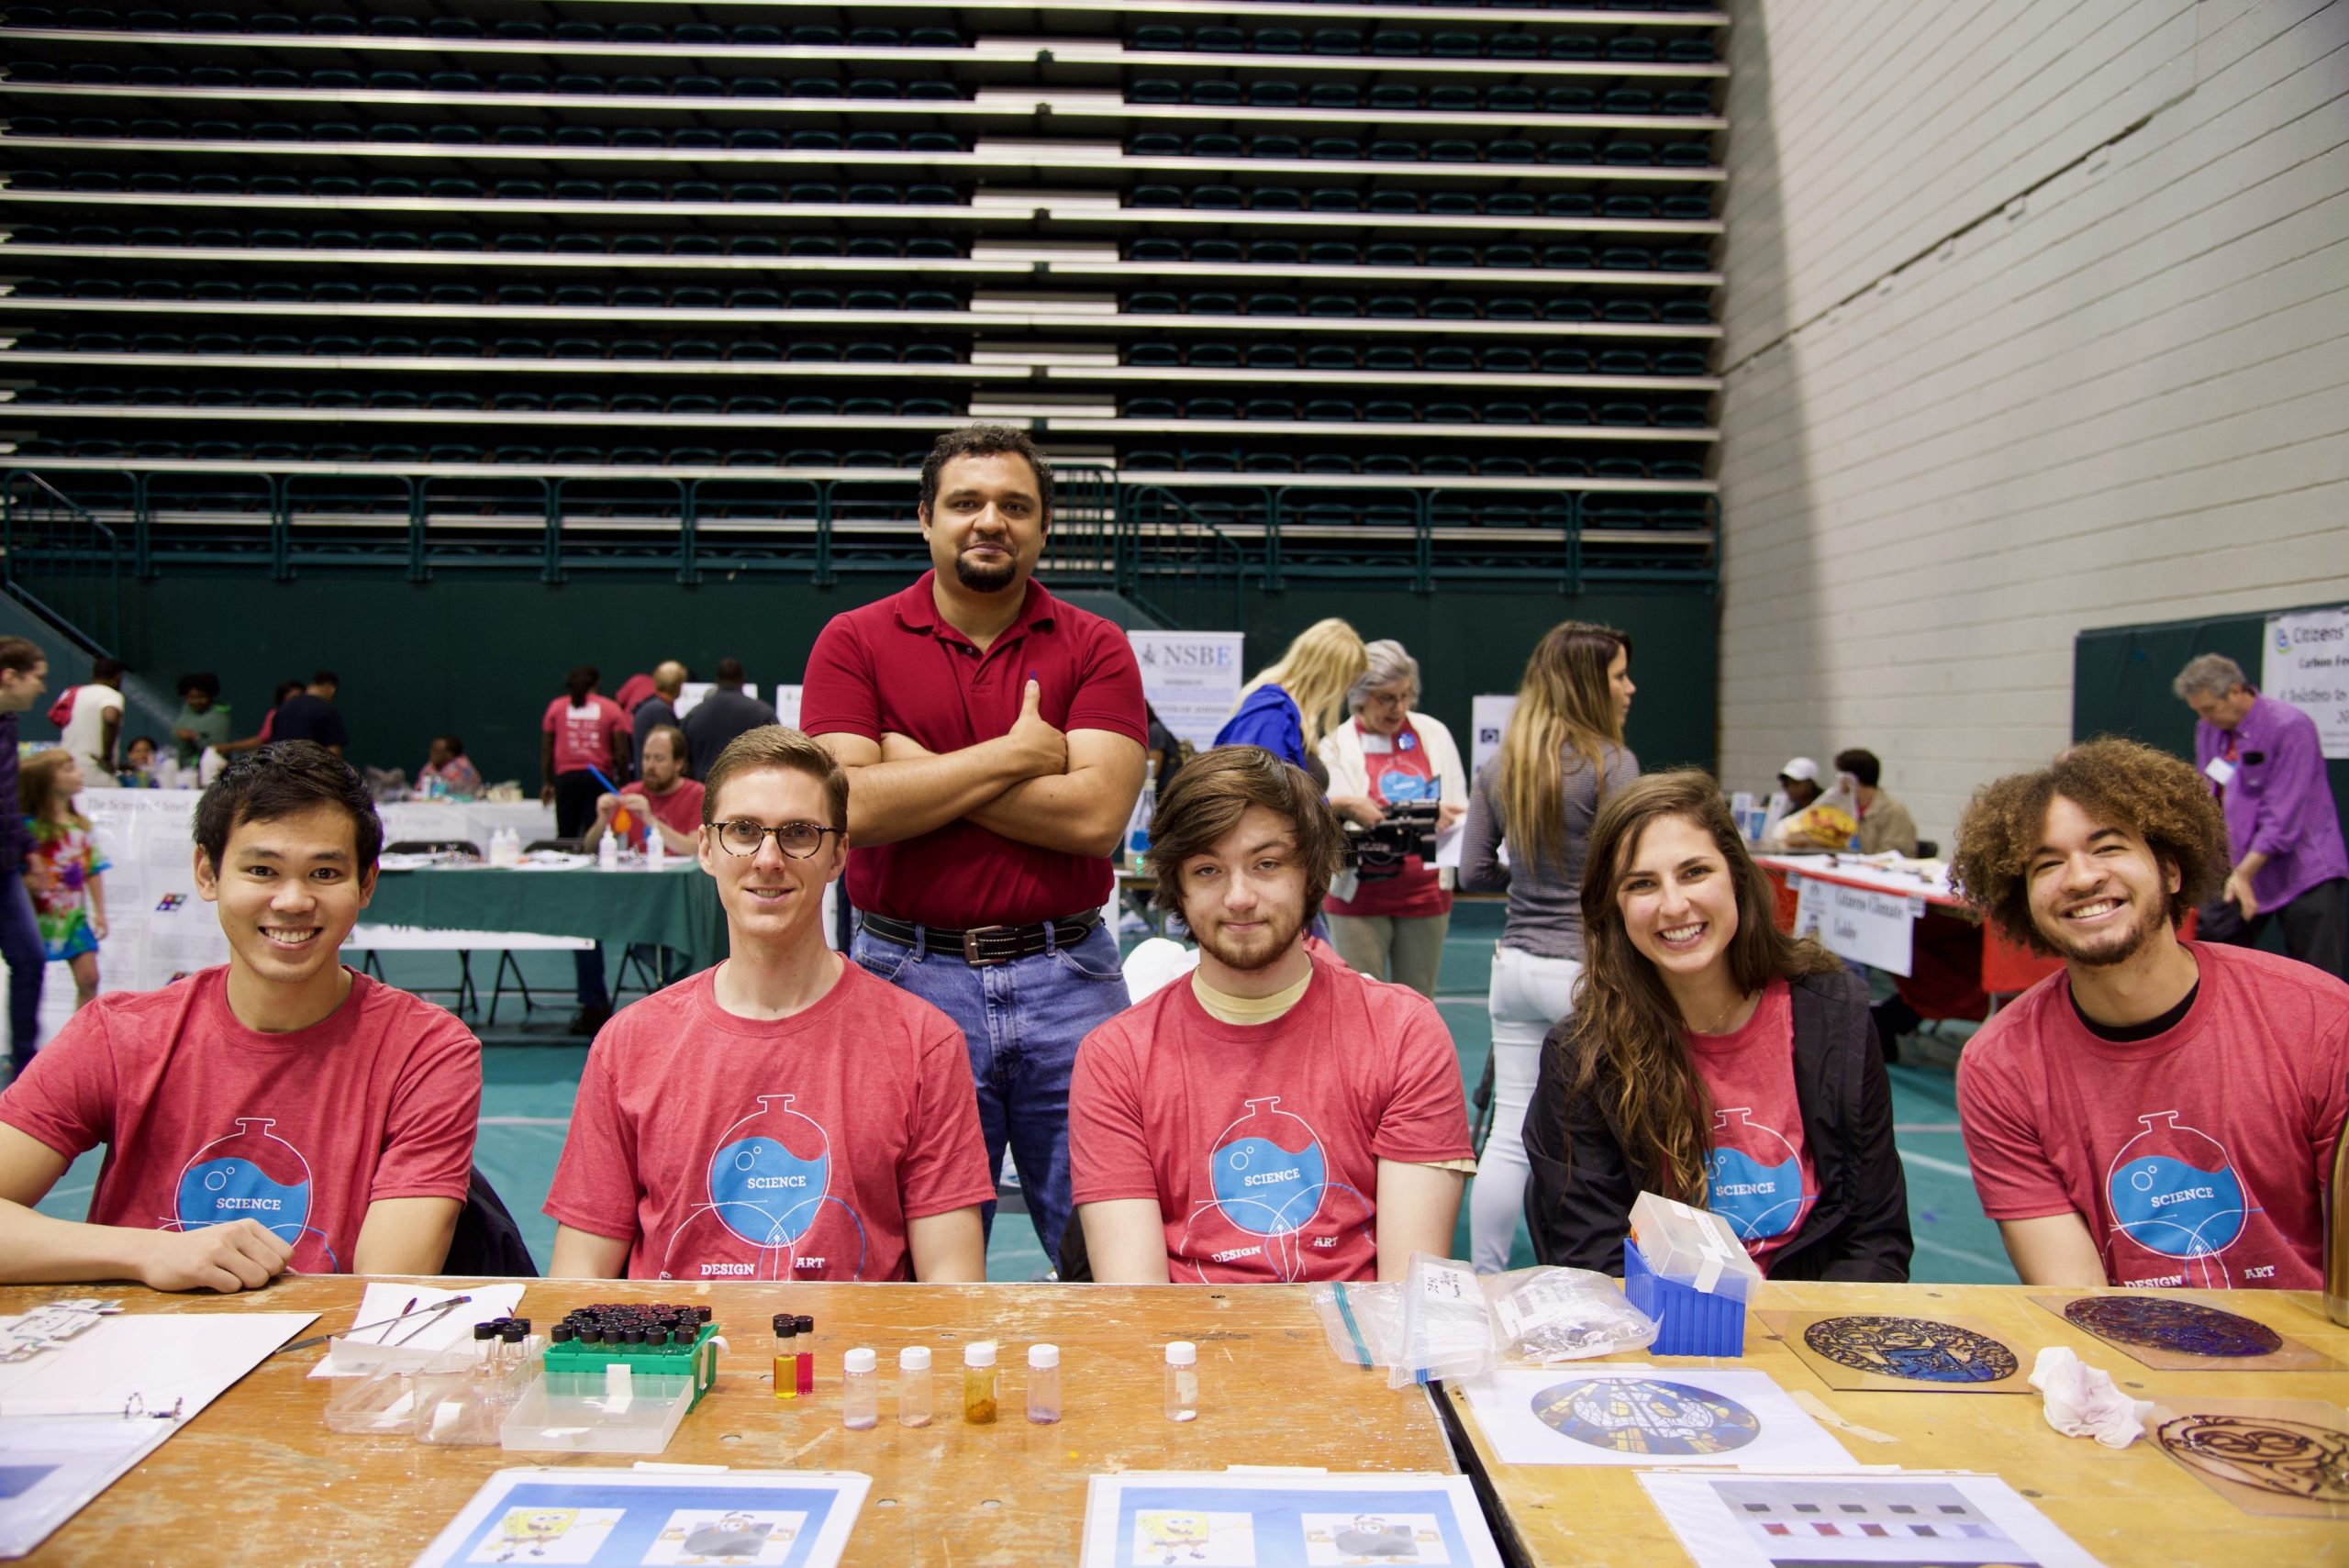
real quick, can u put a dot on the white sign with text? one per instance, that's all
(1490, 715)
(2306, 664)
(1192, 679)
(1855, 923)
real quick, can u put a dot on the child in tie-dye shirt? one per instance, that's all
(63, 870)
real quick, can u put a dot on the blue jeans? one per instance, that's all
(1023, 1022)
(27, 961)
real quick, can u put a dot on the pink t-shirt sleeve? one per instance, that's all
(946, 1165)
(1109, 696)
(552, 723)
(836, 693)
(595, 1183)
(66, 1099)
(1426, 1118)
(435, 1112)
(1109, 1138)
(2012, 1171)
(617, 724)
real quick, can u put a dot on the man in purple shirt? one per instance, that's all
(2264, 762)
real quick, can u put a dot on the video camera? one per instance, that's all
(1376, 853)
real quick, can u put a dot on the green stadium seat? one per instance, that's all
(1216, 93)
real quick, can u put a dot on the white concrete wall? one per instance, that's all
(2038, 320)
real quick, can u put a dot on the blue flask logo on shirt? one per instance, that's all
(1753, 1177)
(1268, 1170)
(1270, 1181)
(1396, 786)
(249, 1174)
(763, 1189)
(2174, 1192)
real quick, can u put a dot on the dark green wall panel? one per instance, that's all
(483, 656)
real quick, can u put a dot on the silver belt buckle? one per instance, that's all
(971, 954)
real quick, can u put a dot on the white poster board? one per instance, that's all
(1857, 923)
(2306, 664)
(1489, 714)
(1192, 679)
(158, 928)
(689, 695)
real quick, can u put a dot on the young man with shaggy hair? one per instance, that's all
(1276, 1116)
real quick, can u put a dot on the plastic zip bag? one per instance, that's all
(1552, 1315)
(1446, 1328)
(1361, 1320)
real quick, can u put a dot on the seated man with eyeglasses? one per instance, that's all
(784, 1115)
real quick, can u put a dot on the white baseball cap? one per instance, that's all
(1800, 768)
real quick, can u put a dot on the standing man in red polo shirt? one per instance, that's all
(994, 738)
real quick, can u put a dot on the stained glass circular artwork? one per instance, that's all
(2290, 1459)
(2165, 1323)
(1644, 1416)
(1916, 1349)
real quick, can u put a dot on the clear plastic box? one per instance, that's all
(641, 1419)
(1692, 1246)
(382, 1403)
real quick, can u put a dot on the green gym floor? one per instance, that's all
(530, 1072)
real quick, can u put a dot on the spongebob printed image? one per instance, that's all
(1353, 1540)
(547, 1535)
(733, 1538)
(1165, 1537)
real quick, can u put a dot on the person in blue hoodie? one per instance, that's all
(1288, 707)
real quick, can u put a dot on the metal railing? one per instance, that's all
(1186, 552)
(76, 561)
(1174, 564)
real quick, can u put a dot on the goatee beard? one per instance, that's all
(985, 579)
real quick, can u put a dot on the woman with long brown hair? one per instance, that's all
(1711, 1058)
(1562, 754)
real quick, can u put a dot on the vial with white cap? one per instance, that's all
(860, 1391)
(979, 1384)
(914, 1394)
(1043, 1384)
(1182, 1380)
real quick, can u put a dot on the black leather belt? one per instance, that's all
(982, 946)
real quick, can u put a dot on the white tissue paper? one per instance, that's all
(2083, 1402)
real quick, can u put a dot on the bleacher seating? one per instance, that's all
(1324, 267)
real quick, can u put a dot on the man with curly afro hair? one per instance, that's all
(2163, 1112)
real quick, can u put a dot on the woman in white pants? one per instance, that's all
(1561, 753)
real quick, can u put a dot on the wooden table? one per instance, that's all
(257, 1478)
(2133, 1507)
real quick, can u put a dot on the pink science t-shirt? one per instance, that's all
(1260, 1143)
(1759, 1175)
(206, 1120)
(582, 735)
(728, 1148)
(2196, 1158)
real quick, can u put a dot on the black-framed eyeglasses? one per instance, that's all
(795, 839)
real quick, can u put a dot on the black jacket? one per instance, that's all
(1578, 1204)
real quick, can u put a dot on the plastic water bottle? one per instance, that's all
(1138, 826)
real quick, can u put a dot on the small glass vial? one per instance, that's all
(786, 1376)
(914, 1399)
(1043, 1384)
(860, 1391)
(979, 1383)
(807, 1368)
(1182, 1380)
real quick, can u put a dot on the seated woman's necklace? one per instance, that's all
(1728, 1012)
